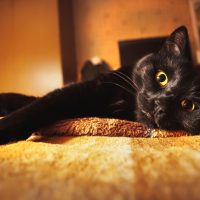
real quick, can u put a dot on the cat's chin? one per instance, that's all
(150, 121)
(154, 125)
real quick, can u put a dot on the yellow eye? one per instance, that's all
(188, 105)
(161, 78)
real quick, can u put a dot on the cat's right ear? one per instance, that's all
(177, 42)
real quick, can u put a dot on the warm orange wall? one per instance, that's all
(100, 24)
(29, 35)
(29, 46)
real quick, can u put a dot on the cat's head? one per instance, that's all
(169, 87)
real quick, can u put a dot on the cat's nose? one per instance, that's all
(159, 108)
(164, 100)
(160, 111)
(156, 103)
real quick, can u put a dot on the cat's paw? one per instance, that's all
(7, 137)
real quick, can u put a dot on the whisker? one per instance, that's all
(129, 79)
(124, 79)
(126, 89)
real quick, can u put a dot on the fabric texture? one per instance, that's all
(105, 127)
(85, 167)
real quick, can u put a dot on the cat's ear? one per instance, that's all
(177, 43)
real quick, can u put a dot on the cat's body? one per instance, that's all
(162, 91)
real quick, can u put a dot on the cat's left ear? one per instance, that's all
(177, 43)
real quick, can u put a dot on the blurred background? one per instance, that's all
(44, 43)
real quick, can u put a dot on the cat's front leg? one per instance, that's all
(84, 99)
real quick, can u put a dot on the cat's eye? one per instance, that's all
(161, 78)
(188, 105)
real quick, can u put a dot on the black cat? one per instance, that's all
(162, 90)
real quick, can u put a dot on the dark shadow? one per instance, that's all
(52, 139)
(67, 40)
(133, 50)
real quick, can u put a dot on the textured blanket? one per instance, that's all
(105, 127)
(85, 167)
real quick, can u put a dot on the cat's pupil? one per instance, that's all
(161, 78)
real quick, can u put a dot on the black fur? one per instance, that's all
(131, 93)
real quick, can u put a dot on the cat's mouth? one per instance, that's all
(151, 116)
(154, 122)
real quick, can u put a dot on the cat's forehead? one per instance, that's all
(162, 59)
(145, 59)
(181, 71)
